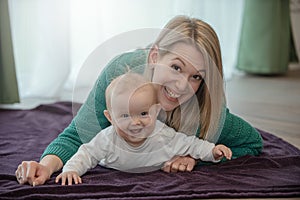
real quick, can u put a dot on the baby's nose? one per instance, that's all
(136, 120)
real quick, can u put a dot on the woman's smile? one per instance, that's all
(172, 96)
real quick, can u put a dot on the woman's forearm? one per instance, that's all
(52, 162)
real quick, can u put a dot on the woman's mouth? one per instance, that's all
(171, 96)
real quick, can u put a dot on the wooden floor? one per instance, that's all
(271, 103)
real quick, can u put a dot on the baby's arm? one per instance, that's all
(76, 166)
(183, 145)
(87, 157)
(70, 176)
(220, 151)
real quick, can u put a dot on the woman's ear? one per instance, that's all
(153, 55)
(107, 115)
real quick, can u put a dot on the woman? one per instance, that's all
(185, 61)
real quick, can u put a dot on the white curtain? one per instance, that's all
(53, 38)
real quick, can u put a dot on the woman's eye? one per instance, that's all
(197, 77)
(176, 67)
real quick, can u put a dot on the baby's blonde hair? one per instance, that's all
(128, 82)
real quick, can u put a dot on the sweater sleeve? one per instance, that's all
(84, 126)
(88, 155)
(90, 118)
(191, 145)
(81, 161)
(180, 144)
(240, 136)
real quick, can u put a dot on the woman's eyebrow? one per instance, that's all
(180, 60)
(198, 71)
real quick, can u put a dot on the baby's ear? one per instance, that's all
(155, 109)
(107, 115)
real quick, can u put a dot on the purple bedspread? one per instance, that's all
(25, 134)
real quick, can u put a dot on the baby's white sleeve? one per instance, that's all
(87, 156)
(183, 145)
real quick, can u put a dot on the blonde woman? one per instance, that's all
(185, 61)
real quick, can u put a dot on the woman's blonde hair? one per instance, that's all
(210, 95)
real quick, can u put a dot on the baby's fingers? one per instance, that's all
(220, 153)
(227, 153)
(77, 179)
(62, 177)
(70, 179)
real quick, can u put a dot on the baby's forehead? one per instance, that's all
(138, 101)
(132, 86)
(125, 92)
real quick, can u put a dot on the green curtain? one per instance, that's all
(266, 45)
(8, 82)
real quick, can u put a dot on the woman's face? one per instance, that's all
(178, 74)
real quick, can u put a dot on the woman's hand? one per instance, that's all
(179, 163)
(33, 173)
(68, 176)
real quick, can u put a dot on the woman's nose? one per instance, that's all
(182, 83)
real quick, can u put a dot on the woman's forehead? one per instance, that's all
(187, 53)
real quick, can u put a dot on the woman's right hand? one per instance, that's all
(179, 164)
(33, 173)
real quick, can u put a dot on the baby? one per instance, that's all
(136, 141)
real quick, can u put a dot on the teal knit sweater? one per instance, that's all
(237, 134)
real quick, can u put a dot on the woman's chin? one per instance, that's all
(168, 107)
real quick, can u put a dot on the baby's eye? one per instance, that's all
(125, 115)
(144, 114)
(176, 67)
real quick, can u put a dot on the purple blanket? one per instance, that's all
(25, 134)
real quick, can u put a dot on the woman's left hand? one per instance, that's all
(179, 163)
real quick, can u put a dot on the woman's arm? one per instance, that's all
(86, 124)
(240, 136)
(90, 119)
(83, 127)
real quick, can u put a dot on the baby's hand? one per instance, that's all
(70, 176)
(219, 151)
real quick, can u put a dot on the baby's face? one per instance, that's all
(134, 115)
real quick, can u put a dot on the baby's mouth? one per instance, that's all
(135, 131)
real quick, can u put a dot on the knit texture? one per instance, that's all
(237, 134)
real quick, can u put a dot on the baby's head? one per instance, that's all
(127, 84)
(132, 107)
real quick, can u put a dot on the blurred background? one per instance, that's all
(45, 43)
